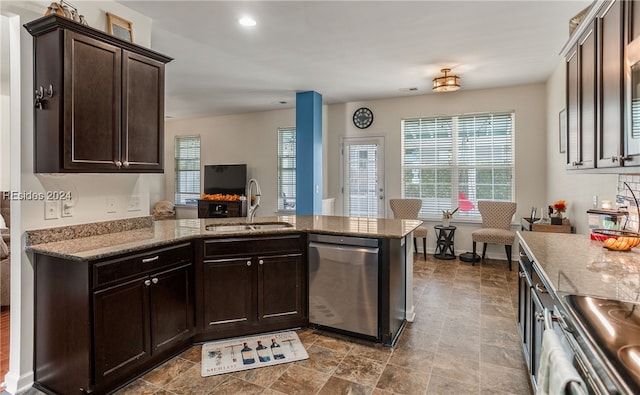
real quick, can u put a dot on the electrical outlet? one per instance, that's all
(134, 203)
(595, 201)
(67, 208)
(111, 205)
(52, 209)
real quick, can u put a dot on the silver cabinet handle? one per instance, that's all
(118, 164)
(541, 289)
(261, 262)
(248, 263)
(154, 280)
(147, 282)
(125, 163)
(40, 94)
(521, 275)
(147, 260)
(522, 255)
(539, 317)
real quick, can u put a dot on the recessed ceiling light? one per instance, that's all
(247, 21)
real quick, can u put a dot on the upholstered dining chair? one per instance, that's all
(496, 226)
(409, 209)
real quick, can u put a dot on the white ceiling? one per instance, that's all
(347, 50)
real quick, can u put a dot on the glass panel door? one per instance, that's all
(364, 177)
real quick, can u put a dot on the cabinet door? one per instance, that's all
(537, 328)
(524, 301)
(92, 88)
(281, 288)
(610, 129)
(228, 295)
(172, 307)
(143, 113)
(632, 134)
(573, 137)
(587, 97)
(121, 328)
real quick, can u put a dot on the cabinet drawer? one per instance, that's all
(110, 271)
(249, 245)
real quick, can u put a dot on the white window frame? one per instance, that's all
(287, 154)
(192, 178)
(443, 154)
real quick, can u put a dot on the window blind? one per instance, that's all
(452, 162)
(287, 169)
(187, 170)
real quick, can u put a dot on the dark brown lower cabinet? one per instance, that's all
(251, 285)
(99, 324)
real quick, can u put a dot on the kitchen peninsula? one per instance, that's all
(589, 296)
(115, 299)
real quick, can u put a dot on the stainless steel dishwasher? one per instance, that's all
(343, 283)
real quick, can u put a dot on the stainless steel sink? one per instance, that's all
(247, 227)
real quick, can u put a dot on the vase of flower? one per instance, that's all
(559, 207)
(446, 217)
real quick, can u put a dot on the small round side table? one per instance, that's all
(444, 244)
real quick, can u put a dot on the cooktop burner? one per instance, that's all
(613, 328)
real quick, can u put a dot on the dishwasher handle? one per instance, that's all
(342, 247)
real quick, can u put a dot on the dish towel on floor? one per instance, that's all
(556, 373)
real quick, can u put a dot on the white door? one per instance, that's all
(363, 164)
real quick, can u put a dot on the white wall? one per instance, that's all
(251, 139)
(4, 141)
(90, 191)
(576, 188)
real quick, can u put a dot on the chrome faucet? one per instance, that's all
(253, 206)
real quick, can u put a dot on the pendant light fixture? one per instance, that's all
(446, 83)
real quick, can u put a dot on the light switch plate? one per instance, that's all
(111, 205)
(52, 209)
(67, 208)
(134, 203)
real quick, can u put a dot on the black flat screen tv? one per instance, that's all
(225, 179)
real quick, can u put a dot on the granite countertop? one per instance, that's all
(575, 264)
(82, 242)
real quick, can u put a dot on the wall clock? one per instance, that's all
(363, 118)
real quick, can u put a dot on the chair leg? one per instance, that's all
(415, 245)
(473, 257)
(507, 248)
(484, 250)
(424, 247)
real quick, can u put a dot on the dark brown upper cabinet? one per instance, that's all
(581, 101)
(600, 135)
(99, 101)
(610, 80)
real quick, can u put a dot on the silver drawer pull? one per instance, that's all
(154, 280)
(522, 274)
(147, 282)
(248, 263)
(541, 289)
(147, 260)
(261, 262)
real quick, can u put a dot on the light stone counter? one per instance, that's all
(96, 241)
(575, 264)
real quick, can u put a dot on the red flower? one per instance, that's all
(560, 206)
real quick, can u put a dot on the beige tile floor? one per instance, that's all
(463, 341)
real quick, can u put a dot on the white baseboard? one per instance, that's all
(18, 384)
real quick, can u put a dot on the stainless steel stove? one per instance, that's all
(610, 332)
